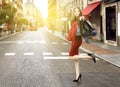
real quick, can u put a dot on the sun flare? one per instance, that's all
(42, 5)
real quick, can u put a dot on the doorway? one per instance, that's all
(111, 23)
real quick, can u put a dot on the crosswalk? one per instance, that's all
(9, 54)
(50, 55)
(82, 56)
(45, 55)
(33, 42)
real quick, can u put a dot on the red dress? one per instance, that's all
(76, 42)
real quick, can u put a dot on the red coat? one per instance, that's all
(74, 49)
(72, 32)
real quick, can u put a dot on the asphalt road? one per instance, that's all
(39, 59)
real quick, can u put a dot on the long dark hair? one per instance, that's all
(73, 19)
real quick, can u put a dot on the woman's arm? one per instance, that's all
(69, 36)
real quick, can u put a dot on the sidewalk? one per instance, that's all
(8, 35)
(105, 52)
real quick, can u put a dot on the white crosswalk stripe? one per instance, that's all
(56, 57)
(31, 42)
(63, 53)
(65, 43)
(28, 53)
(9, 54)
(54, 43)
(47, 53)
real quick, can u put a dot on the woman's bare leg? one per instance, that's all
(77, 70)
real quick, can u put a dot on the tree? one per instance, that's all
(7, 15)
(21, 21)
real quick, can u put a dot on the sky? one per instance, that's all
(42, 5)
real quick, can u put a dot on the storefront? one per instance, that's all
(93, 13)
(111, 30)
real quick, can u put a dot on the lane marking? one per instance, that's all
(21, 42)
(54, 43)
(47, 53)
(65, 43)
(55, 57)
(30, 41)
(8, 42)
(43, 42)
(28, 53)
(63, 53)
(9, 54)
(62, 57)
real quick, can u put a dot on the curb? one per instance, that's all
(9, 35)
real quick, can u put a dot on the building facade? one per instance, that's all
(52, 11)
(64, 12)
(111, 21)
(32, 14)
(104, 14)
(18, 4)
(93, 12)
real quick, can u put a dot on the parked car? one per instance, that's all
(34, 28)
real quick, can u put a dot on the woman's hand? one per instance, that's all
(82, 18)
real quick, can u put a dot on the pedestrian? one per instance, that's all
(76, 41)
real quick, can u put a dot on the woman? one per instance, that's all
(76, 42)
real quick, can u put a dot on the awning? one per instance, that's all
(86, 11)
